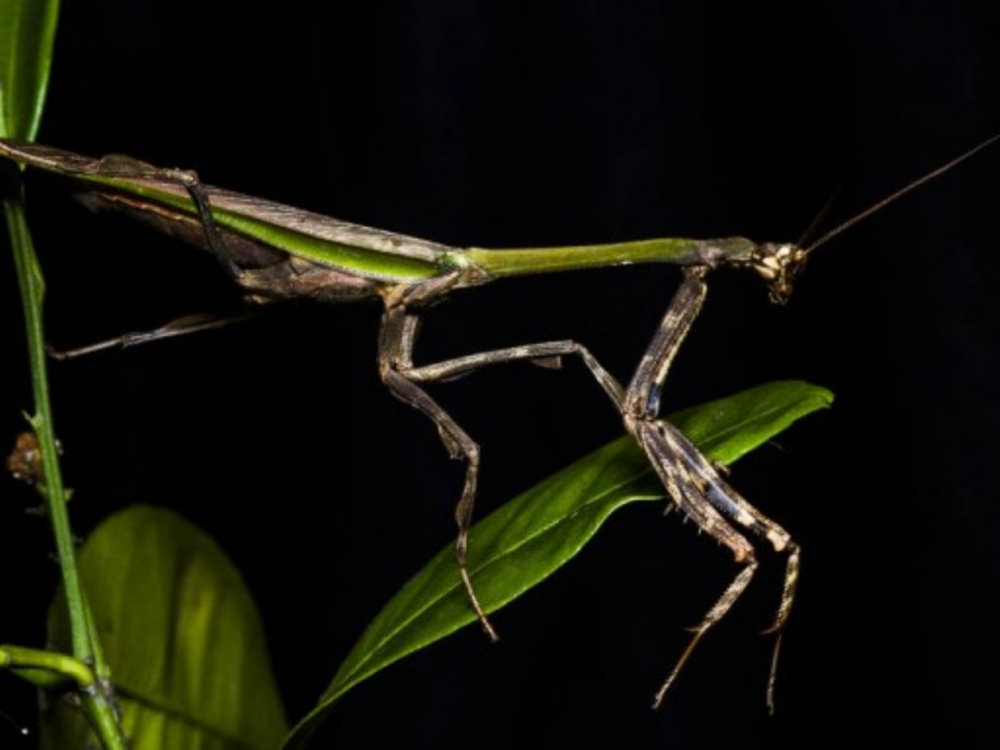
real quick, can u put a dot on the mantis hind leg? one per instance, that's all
(127, 167)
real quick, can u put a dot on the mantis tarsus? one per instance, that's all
(277, 252)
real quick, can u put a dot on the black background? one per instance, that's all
(505, 124)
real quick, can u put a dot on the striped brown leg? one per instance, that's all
(693, 482)
(397, 337)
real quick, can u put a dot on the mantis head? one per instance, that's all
(778, 265)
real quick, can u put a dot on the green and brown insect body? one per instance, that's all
(277, 252)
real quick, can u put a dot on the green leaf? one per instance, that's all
(530, 537)
(181, 635)
(27, 34)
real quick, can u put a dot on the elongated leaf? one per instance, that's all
(27, 33)
(530, 537)
(181, 635)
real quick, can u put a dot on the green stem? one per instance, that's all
(51, 670)
(32, 291)
(95, 696)
(46, 668)
(101, 715)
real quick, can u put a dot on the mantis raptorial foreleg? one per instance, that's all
(692, 481)
(126, 167)
(397, 337)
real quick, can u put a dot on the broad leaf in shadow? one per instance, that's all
(182, 637)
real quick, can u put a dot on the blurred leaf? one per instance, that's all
(182, 637)
(27, 34)
(526, 540)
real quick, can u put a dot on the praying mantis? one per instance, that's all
(275, 252)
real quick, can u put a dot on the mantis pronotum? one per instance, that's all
(277, 252)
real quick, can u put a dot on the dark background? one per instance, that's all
(504, 124)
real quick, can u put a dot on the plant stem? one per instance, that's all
(46, 668)
(32, 291)
(96, 698)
